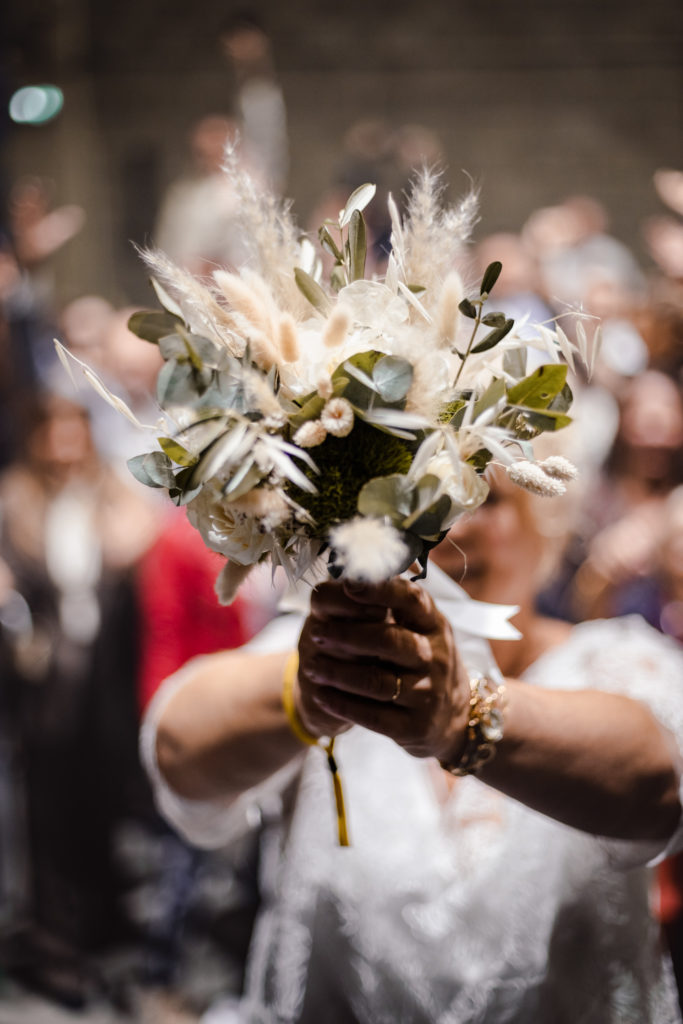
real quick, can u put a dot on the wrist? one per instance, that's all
(483, 730)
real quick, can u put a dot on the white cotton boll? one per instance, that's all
(310, 434)
(559, 468)
(229, 580)
(368, 550)
(337, 327)
(531, 477)
(337, 417)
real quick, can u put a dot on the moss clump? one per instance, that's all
(346, 464)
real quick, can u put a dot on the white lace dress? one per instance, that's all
(453, 906)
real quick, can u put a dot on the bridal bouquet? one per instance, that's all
(344, 423)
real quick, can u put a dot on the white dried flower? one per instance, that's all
(531, 477)
(337, 417)
(368, 550)
(559, 467)
(227, 530)
(310, 434)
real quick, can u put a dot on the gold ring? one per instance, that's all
(397, 691)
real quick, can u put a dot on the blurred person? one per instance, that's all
(578, 259)
(38, 230)
(374, 152)
(518, 288)
(624, 516)
(198, 223)
(259, 100)
(518, 895)
(98, 334)
(70, 533)
(84, 323)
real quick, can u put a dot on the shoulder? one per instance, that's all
(617, 654)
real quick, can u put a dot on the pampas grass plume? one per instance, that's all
(447, 314)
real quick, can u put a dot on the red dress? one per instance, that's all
(180, 616)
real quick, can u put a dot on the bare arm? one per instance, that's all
(596, 761)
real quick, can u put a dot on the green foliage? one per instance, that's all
(345, 464)
(539, 389)
(153, 324)
(312, 291)
(491, 275)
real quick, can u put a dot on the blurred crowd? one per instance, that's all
(104, 591)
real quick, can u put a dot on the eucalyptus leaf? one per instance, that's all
(153, 324)
(175, 385)
(182, 492)
(312, 291)
(468, 309)
(389, 496)
(493, 337)
(154, 469)
(392, 377)
(430, 522)
(491, 275)
(538, 389)
(358, 200)
(357, 246)
(172, 346)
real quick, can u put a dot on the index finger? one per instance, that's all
(410, 603)
(331, 600)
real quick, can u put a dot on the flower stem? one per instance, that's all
(479, 303)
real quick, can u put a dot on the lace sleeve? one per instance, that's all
(215, 823)
(628, 657)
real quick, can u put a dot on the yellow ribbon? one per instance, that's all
(305, 737)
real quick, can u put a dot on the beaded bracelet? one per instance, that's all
(304, 736)
(484, 727)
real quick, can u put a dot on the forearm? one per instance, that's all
(225, 729)
(596, 761)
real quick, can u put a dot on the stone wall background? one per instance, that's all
(535, 99)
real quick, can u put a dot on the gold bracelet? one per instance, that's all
(484, 727)
(304, 736)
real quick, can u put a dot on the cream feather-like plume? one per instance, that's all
(200, 308)
(431, 241)
(270, 234)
